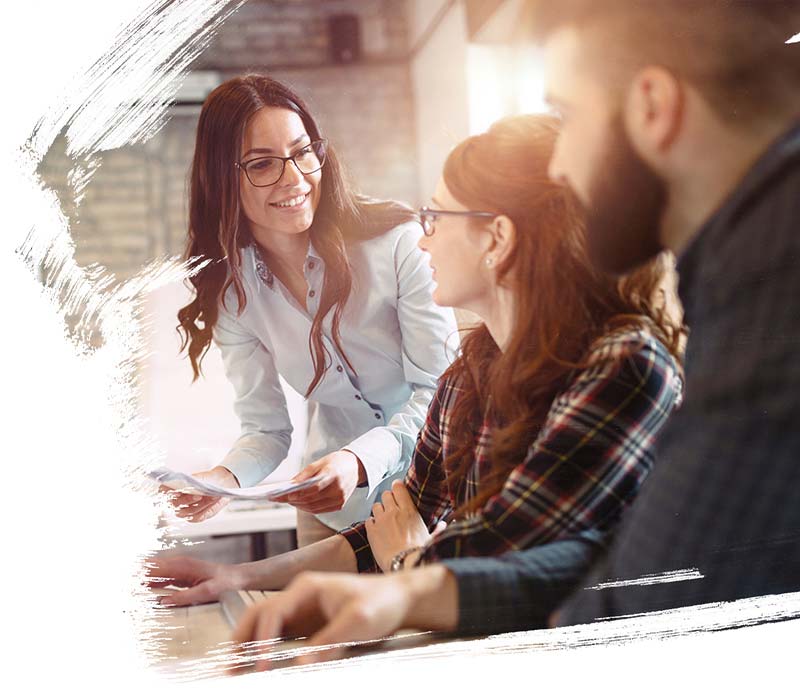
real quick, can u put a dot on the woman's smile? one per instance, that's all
(293, 203)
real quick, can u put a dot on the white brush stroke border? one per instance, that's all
(68, 551)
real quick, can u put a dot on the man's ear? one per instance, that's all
(503, 241)
(653, 111)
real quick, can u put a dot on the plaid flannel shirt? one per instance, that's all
(584, 466)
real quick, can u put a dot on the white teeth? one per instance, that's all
(291, 202)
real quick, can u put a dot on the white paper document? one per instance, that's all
(186, 483)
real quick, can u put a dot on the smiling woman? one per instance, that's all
(305, 279)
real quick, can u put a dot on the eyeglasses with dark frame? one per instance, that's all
(267, 170)
(428, 216)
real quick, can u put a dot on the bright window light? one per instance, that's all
(503, 80)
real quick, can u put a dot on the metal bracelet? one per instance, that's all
(399, 559)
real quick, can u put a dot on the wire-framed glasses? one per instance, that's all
(264, 171)
(428, 216)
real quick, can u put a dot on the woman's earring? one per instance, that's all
(489, 262)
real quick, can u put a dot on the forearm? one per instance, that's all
(254, 455)
(331, 554)
(433, 598)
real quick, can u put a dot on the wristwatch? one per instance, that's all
(398, 560)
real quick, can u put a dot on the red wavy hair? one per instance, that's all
(563, 304)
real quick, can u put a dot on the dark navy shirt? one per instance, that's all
(724, 497)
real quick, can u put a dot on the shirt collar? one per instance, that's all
(313, 255)
(261, 268)
(783, 152)
(266, 275)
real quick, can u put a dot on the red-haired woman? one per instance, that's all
(306, 280)
(545, 426)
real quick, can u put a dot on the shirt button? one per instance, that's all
(312, 293)
(378, 416)
(339, 368)
(358, 398)
(311, 265)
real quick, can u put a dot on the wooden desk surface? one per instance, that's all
(194, 643)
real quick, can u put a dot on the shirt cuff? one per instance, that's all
(489, 602)
(521, 589)
(250, 465)
(356, 537)
(379, 452)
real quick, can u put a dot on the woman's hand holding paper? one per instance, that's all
(340, 473)
(196, 508)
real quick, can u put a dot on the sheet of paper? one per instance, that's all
(186, 483)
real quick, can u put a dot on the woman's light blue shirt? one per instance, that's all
(396, 338)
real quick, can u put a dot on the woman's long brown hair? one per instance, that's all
(562, 303)
(218, 229)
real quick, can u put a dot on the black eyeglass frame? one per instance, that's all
(323, 142)
(428, 214)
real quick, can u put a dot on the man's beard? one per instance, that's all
(626, 203)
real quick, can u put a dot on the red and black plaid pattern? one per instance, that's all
(585, 465)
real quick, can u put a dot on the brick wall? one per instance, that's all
(134, 207)
(272, 33)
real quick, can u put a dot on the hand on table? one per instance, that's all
(203, 580)
(329, 609)
(341, 472)
(396, 525)
(196, 508)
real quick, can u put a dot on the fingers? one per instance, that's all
(153, 574)
(246, 627)
(310, 496)
(169, 492)
(179, 571)
(401, 495)
(179, 500)
(323, 490)
(196, 508)
(350, 624)
(310, 471)
(209, 511)
(206, 592)
(301, 498)
(165, 572)
(387, 499)
(297, 609)
(317, 507)
(204, 510)
(320, 498)
(260, 622)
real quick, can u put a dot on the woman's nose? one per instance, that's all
(291, 174)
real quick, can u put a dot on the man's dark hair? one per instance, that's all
(735, 52)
